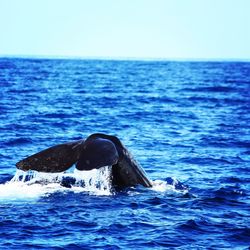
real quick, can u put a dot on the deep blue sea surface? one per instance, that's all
(185, 122)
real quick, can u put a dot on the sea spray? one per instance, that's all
(95, 181)
(32, 184)
(170, 184)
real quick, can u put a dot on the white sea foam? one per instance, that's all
(164, 186)
(15, 190)
(161, 186)
(32, 185)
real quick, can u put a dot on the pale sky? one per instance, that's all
(171, 29)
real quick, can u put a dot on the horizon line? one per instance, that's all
(123, 58)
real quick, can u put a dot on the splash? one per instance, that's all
(171, 184)
(95, 181)
(19, 187)
(32, 184)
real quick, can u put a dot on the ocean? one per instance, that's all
(186, 123)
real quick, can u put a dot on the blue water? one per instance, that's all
(183, 121)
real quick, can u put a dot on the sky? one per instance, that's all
(166, 29)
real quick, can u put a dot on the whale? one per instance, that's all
(96, 151)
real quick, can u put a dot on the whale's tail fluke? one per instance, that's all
(55, 159)
(89, 154)
(98, 150)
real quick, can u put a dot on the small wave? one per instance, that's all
(205, 160)
(230, 192)
(212, 89)
(16, 141)
(201, 224)
(241, 234)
